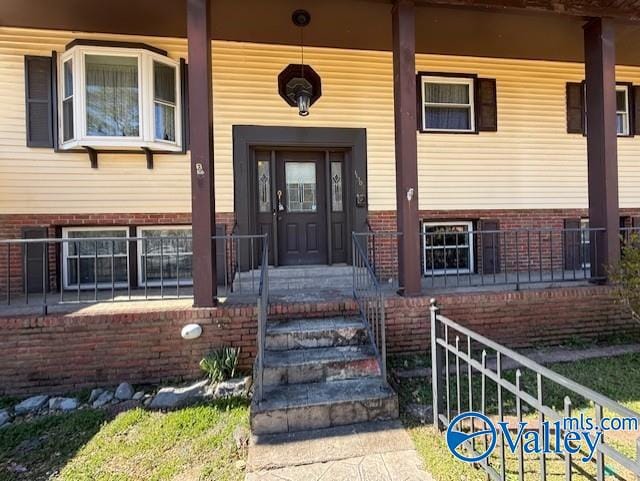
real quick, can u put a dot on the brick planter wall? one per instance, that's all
(141, 343)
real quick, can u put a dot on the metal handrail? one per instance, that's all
(370, 299)
(443, 349)
(111, 284)
(263, 312)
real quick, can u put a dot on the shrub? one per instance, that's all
(626, 276)
(221, 363)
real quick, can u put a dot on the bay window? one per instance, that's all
(116, 97)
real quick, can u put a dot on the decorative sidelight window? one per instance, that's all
(336, 186)
(115, 97)
(264, 186)
(448, 104)
(165, 255)
(447, 248)
(94, 255)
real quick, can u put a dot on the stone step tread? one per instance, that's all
(299, 357)
(293, 396)
(313, 325)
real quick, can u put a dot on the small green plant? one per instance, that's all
(221, 363)
(626, 276)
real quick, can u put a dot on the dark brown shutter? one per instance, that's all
(35, 260)
(575, 108)
(572, 242)
(490, 246)
(38, 101)
(184, 82)
(486, 105)
(635, 110)
(635, 222)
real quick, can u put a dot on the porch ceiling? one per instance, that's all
(536, 29)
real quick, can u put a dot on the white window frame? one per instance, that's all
(426, 249)
(146, 103)
(585, 243)
(65, 255)
(626, 112)
(140, 261)
(468, 81)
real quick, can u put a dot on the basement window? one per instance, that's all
(95, 255)
(447, 248)
(119, 97)
(447, 104)
(165, 255)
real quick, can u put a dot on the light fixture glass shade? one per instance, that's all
(303, 99)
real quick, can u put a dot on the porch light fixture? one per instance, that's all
(298, 84)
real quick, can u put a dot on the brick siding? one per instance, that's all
(142, 343)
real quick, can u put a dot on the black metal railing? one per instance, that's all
(459, 257)
(370, 299)
(471, 373)
(49, 271)
(263, 312)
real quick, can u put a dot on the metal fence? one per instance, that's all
(49, 271)
(455, 256)
(472, 373)
(263, 312)
(370, 299)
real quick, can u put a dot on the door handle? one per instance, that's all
(280, 205)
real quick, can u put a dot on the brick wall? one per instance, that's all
(535, 251)
(12, 226)
(141, 343)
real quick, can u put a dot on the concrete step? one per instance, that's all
(309, 333)
(299, 407)
(321, 364)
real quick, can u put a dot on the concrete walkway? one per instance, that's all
(380, 451)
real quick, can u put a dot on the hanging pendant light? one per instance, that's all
(298, 84)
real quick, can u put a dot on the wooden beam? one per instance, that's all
(404, 96)
(602, 151)
(201, 143)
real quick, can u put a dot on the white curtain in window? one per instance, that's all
(112, 96)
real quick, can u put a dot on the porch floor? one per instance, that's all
(286, 285)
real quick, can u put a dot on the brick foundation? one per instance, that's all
(534, 251)
(12, 226)
(142, 344)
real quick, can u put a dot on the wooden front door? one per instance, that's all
(301, 210)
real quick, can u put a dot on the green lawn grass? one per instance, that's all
(617, 378)
(193, 443)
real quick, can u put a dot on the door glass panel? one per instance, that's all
(301, 186)
(336, 186)
(264, 186)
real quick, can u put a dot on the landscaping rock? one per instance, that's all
(171, 397)
(95, 394)
(233, 387)
(124, 392)
(5, 417)
(63, 404)
(31, 404)
(103, 399)
(138, 396)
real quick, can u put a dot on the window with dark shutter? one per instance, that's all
(575, 108)
(487, 105)
(490, 246)
(572, 245)
(184, 85)
(635, 110)
(38, 101)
